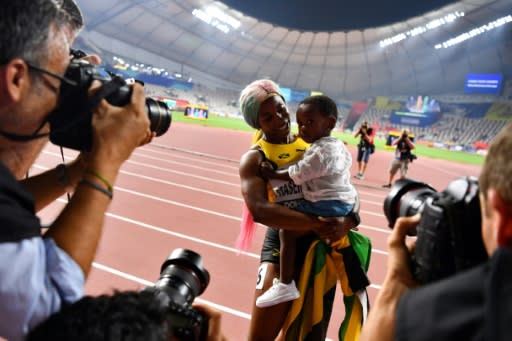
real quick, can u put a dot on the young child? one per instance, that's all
(323, 173)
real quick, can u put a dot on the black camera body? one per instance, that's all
(449, 236)
(71, 121)
(182, 278)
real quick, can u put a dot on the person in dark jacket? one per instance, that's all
(475, 304)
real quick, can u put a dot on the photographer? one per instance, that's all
(365, 148)
(473, 305)
(39, 273)
(403, 157)
(127, 315)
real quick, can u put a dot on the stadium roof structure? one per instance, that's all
(355, 51)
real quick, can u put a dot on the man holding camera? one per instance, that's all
(473, 305)
(39, 273)
(365, 148)
(402, 157)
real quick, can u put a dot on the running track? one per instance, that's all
(182, 191)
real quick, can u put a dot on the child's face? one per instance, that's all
(312, 124)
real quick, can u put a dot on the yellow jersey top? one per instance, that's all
(283, 155)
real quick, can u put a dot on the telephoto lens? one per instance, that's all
(159, 116)
(406, 198)
(183, 278)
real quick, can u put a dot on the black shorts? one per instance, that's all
(271, 247)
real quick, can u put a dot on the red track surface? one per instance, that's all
(182, 191)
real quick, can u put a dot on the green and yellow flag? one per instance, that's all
(348, 260)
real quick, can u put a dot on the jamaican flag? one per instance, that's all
(347, 260)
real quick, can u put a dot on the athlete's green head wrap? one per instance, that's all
(253, 95)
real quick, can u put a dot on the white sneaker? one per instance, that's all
(278, 293)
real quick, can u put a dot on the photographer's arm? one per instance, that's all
(46, 187)
(382, 317)
(396, 141)
(367, 138)
(116, 133)
(409, 143)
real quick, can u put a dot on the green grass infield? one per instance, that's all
(420, 150)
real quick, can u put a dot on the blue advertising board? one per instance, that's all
(483, 83)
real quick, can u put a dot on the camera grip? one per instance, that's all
(433, 256)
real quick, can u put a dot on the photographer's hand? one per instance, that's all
(148, 138)
(92, 58)
(399, 259)
(214, 322)
(117, 131)
(382, 318)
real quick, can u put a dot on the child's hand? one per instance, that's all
(266, 169)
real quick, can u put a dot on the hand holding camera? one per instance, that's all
(72, 121)
(122, 129)
(448, 228)
(404, 137)
(401, 250)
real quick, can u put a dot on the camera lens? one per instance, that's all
(158, 112)
(183, 276)
(406, 198)
(159, 116)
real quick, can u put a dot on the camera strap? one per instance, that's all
(25, 138)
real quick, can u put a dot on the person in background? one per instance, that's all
(40, 273)
(324, 174)
(264, 108)
(475, 304)
(365, 148)
(403, 157)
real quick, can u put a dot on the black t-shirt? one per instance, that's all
(17, 210)
(472, 306)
